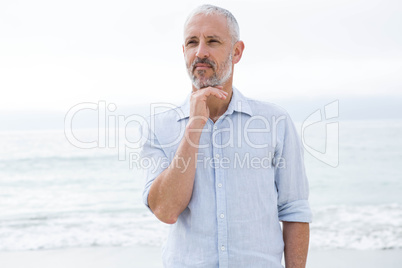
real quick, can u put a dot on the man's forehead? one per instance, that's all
(209, 25)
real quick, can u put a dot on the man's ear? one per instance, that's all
(238, 51)
(183, 48)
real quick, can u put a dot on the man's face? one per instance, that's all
(208, 50)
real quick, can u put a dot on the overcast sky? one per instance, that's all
(55, 54)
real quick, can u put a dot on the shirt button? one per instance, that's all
(219, 185)
(215, 127)
(217, 155)
(222, 216)
(223, 248)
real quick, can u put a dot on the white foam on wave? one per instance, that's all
(334, 227)
(81, 230)
(357, 227)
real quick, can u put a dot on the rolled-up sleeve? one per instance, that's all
(153, 159)
(290, 175)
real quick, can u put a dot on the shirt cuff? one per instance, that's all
(296, 211)
(145, 198)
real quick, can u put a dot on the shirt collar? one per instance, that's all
(238, 103)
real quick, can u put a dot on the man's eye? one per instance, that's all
(191, 42)
(214, 41)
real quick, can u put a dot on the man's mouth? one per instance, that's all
(202, 66)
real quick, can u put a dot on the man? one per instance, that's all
(234, 165)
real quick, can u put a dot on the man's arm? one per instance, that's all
(292, 185)
(171, 191)
(296, 237)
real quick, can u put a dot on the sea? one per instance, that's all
(84, 189)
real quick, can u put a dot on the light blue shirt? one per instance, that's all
(250, 175)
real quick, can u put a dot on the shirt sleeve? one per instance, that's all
(290, 175)
(153, 159)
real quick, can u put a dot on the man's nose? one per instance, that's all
(202, 51)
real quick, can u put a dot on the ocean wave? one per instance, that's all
(334, 227)
(80, 230)
(357, 227)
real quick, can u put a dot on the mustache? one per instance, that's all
(204, 61)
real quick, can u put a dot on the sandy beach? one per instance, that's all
(149, 257)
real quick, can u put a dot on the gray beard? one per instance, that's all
(216, 79)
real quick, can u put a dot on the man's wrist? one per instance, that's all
(196, 123)
(193, 133)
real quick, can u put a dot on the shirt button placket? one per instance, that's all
(220, 200)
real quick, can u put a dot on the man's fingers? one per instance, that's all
(215, 91)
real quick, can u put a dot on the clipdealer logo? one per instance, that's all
(112, 131)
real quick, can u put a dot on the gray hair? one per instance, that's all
(210, 9)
